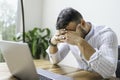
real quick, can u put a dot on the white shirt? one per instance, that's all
(103, 61)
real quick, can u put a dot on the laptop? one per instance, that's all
(20, 63)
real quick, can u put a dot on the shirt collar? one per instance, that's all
(90, 34)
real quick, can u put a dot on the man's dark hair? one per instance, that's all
(66, 16)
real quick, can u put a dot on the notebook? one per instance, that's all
(20, 63)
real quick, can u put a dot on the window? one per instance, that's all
(8, 12)
(8, 20)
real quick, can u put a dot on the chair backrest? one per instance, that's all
(118, 52)
(118, 64)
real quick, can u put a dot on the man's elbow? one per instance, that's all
(109, 73)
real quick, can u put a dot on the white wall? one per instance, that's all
(33, 13)
(101, 12)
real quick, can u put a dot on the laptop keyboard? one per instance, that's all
(43, 77)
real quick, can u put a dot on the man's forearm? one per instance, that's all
(86, 49)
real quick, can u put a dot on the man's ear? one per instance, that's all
(83, 23)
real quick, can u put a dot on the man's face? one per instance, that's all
(71, 26)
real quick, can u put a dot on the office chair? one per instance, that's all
(118, 64)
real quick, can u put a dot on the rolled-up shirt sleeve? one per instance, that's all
(104, 60)
(54, 58)
(63, 50)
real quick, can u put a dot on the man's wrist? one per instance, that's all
(50, 43)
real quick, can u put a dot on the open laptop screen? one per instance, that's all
(18, 58)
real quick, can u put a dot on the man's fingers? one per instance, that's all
(61, 32)
(60, 38)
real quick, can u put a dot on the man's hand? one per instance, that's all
(59, 37)
(74, 37)
(71, 37)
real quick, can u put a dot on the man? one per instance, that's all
(94, 47)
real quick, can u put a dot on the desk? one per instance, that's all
(63, 70)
